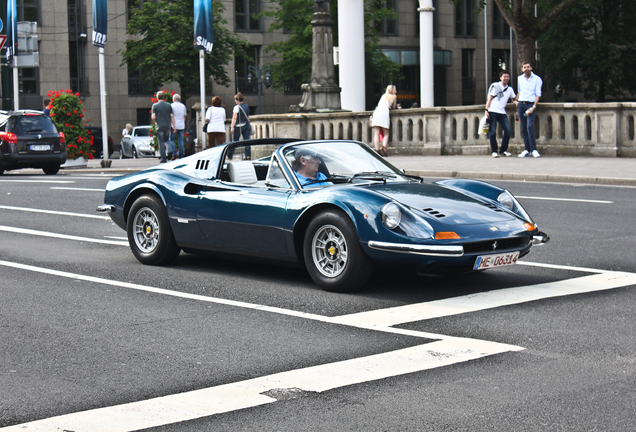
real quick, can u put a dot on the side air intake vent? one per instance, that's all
(202, 164)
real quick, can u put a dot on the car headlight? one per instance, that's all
(391, 215)
(507, 200)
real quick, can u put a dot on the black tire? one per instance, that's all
(121, 153)
(1, 171)
(333, 255)
(149, 233)
(51, 170)
(134, 152)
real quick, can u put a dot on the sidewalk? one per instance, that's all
(564, 169)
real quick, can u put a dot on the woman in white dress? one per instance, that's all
(381, 120)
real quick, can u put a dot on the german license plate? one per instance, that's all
(40, 147)
(498, 260)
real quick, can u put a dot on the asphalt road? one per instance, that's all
(218, 345)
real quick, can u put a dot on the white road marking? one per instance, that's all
(61, 213)
(79, 189)
(60, 236)
(566, 199)
(116, 237)
(244, 394)
(34, 181)
(488, 300)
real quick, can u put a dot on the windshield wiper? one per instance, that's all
(372, 175)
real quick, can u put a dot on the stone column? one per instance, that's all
(351, 45)
(427, 85)
(322, 93)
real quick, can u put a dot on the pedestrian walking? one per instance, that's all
(180, 112)
(529, 92)
(498, 96)
(241, 126)
(164, 119)
(381, 121)
(215, 121)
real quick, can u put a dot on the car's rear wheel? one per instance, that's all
(149, 233)
(333, 255)
(51, 170)
(134, 152)
(1, 171)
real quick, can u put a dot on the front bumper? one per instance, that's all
(427, 250)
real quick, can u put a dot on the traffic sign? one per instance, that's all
(3, 39)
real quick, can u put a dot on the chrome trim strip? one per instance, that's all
(429, 250)
(540, 239)
(106, 208)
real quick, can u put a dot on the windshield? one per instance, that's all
(141, 132)
(328, 162)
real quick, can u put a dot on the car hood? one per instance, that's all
(444, 205)
(144, 140)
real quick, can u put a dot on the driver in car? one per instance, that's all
(306, 166)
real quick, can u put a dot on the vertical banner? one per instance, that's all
(100, 22)
(203, 25)
(12, 29)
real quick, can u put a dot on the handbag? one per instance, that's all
(205, 127)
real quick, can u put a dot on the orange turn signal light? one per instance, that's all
(446, 235)
(529, 226)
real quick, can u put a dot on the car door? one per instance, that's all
(246, 218)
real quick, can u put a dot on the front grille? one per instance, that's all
(502, 244)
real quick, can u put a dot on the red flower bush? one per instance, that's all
(78, 140)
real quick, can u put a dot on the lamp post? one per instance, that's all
(262, 75)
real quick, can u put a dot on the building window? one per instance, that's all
(77, 37)
(241, 68)
(500, 28)
(468, 77)
(465, 18)
(136, 85)
(27, 10)
(499, 63)
(246, 15)
(384, 26)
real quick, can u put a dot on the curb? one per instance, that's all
(525, 177)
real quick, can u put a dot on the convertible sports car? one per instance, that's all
(358, 213)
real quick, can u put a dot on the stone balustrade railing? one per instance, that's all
(583, 129)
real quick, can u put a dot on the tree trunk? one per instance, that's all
(526, 52)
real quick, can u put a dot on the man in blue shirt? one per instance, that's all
(528, 94)
(306, 166)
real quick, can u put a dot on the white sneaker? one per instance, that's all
(506, 154)
(524, 153)
(495, 154)
(535, 154)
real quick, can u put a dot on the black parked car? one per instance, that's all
(98, 147)
(29, 139)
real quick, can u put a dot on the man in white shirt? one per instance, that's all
(180, 112)
(529, 89)
(498, 97)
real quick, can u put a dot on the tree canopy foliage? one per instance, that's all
(592, 49)
(294, 16)
(164, 52)
(520, 16)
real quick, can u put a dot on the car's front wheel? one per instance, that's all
(333, 255)
(51, 170)
(149, 233)
(134, 152)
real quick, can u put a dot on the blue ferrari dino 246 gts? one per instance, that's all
(334, 206)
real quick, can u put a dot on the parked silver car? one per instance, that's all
(137, 144)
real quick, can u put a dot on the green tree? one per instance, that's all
(294, 16)
(163, 50)
(520, 16)
(595, 40)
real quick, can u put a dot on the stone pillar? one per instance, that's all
(322, 93)
(427, 85)
(351, 45)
